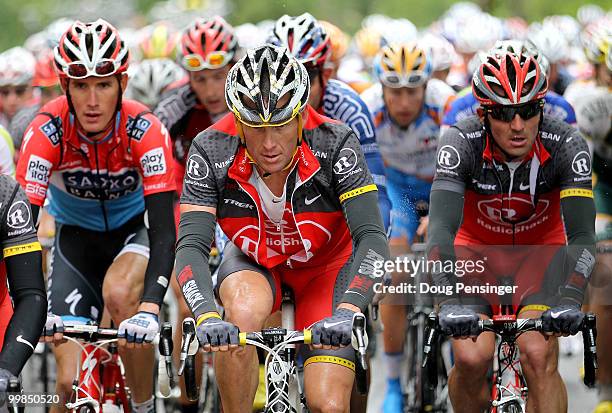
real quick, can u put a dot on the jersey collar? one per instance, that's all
(537, 149)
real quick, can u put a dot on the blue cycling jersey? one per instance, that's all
(342, 103)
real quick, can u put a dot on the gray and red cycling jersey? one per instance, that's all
(513, 204)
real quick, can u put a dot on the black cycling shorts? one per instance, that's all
(80, 260)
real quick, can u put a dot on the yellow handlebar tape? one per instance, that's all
(206, 316)
(330, 359)
(242, 337)
(307, 336)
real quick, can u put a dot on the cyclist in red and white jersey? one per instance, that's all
(292, 191)
(107, 164)
(513, 177)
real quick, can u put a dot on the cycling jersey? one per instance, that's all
(497, 193)
(466, 106)
(410, 150)
(18, 237)
(97, 185)
(342, 103)
(329, 169)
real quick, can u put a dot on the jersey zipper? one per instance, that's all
(297, 185)
(258, 223)
(101, 187)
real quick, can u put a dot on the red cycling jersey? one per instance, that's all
(98, 185)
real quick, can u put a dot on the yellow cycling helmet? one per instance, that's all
(339, 40)
(367, 41)
(402, 65)
(159, 42)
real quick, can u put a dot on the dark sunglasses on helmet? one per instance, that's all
(507, 113)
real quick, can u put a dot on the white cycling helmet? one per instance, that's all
(398, 31)
(566, 25)
(441, 51)
(589, 13)
(259, 80)
(520, 47)
(479, 34)
(550, 41)
(150, 78)
(249, 36)
(16, 67)
(463, 10)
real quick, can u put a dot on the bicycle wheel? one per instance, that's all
(413, 388)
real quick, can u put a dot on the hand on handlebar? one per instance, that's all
(138, 329)
(562, 320)
(335, 331)
(215, 334)
(53, 330)
(458, 321)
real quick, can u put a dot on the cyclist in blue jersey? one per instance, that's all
(307, 40)
(554, 105)
(407, 106)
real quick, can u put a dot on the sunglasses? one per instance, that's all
(394, 80)
(104, 67)
(19, 91)
(194, 62)
(507, 113)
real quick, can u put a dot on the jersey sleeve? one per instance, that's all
(351, 176)
(573, 166)
(152, 150)
(40, 154)
(199, 186)
(454, 162)
(18, 231)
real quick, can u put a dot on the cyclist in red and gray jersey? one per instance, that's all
(513, 177)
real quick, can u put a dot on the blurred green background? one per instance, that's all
(19, 19)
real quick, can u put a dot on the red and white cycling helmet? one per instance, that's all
(305, 38)
(91, 49)
(208, 44)
(509, 79)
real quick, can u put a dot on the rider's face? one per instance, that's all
(515, 137)
(209, 87)
(404, 104)
(95, 100)
(14, 98)
(272, 148)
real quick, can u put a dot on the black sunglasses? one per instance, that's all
(507, 113)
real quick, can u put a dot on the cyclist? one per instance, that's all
(467, 105)
(310, 44)
(513, 176)
(594, 111)
(47, 83)
(407, 106)
(16, 72)
(106, 163)
(275, 163)
(7, 152)
(24, 308)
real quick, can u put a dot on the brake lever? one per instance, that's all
(189, 344)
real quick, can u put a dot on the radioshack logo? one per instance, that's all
(38, 170)
(581, 164)
(18, 215)
(153, 162)
(448, 157)
(197, 168)
(346, 162)
(492, 210)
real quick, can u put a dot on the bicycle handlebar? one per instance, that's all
(508, 328)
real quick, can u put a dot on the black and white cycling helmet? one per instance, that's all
(150, 78)
(259, 81)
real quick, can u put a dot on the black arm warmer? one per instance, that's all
(445, 216)
(27, 289)
(35, 211)
(196, 232)
(162, 234)
(579, 221)
(370, 247)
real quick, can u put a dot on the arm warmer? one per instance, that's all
(579, 221)
(445, 217)
(370, 248)
(27, 289)
(162, 234)
(196, 232)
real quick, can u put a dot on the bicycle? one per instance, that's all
(509, 392)
(100, 382)
(284, 387)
